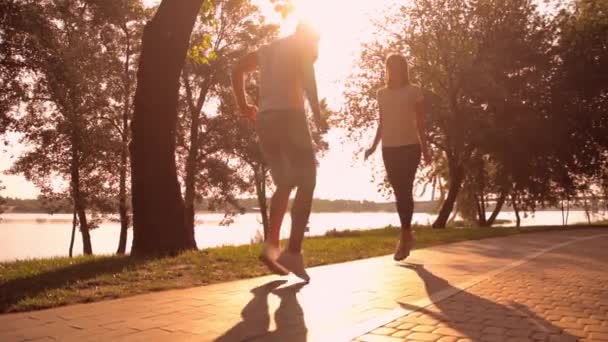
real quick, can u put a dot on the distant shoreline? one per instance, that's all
(251, 205)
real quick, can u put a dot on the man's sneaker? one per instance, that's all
(294, 262)
(403, 249)
(269, 257)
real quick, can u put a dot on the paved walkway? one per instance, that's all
(536, 287)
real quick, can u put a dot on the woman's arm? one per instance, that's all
(421, 127)
(377, 139)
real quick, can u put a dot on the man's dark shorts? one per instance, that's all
(287, 147)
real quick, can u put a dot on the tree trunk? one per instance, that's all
(454, 213)
(158, 207)
(79, 201)
(499, 204)
(193, 153)
(567, 211)
(516, 210)
(71, 252)
(481, 211)
(260, 189)
(87, 249)
(122, 206)
(563, 213)
(456, 178)
(124, 153)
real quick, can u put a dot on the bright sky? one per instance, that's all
(343, 25)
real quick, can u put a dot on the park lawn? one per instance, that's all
(45, 283)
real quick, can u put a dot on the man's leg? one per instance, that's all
(270, 252)
(300, 212)
(292, 258)
(302, 169)
(278, 207)
(272, 145)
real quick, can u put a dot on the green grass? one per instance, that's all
(45, 283)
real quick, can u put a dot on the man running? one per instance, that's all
(286, 74)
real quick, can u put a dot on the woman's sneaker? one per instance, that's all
(269, 257)
(294, 262)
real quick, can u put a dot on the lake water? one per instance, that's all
(25, 236)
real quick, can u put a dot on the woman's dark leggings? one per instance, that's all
(401, 164)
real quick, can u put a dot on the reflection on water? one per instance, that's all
(38, 235)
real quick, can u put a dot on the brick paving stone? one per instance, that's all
(576, 332)
(449, 332)
(424, 328)
(448, 339)
(492, 338)
(378, 338)
(494, 331)
(419, 336)
(405, 326)
(562, 338)
(384, 331)
(519, 333)
(401, 333)
(598, 336)
(518, 305)
(540, 336)
(596, 328)
(393, 324)
(516, 339)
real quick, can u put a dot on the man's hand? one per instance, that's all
(250, 112)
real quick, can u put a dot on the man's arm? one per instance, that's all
(310, 88)
(245, 65)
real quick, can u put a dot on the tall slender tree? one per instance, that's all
(122, 25)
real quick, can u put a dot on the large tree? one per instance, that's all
(579, 97)
(465, 55)
(159, 224)
(63, 94)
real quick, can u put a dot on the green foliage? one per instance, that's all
(516, 100)
(200, 53)
(74, 78)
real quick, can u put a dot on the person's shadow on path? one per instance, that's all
(255, 326)
(470, 314)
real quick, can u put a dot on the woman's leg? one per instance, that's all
(401, 164)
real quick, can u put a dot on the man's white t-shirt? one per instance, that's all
(280, 76)
(398, 115)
